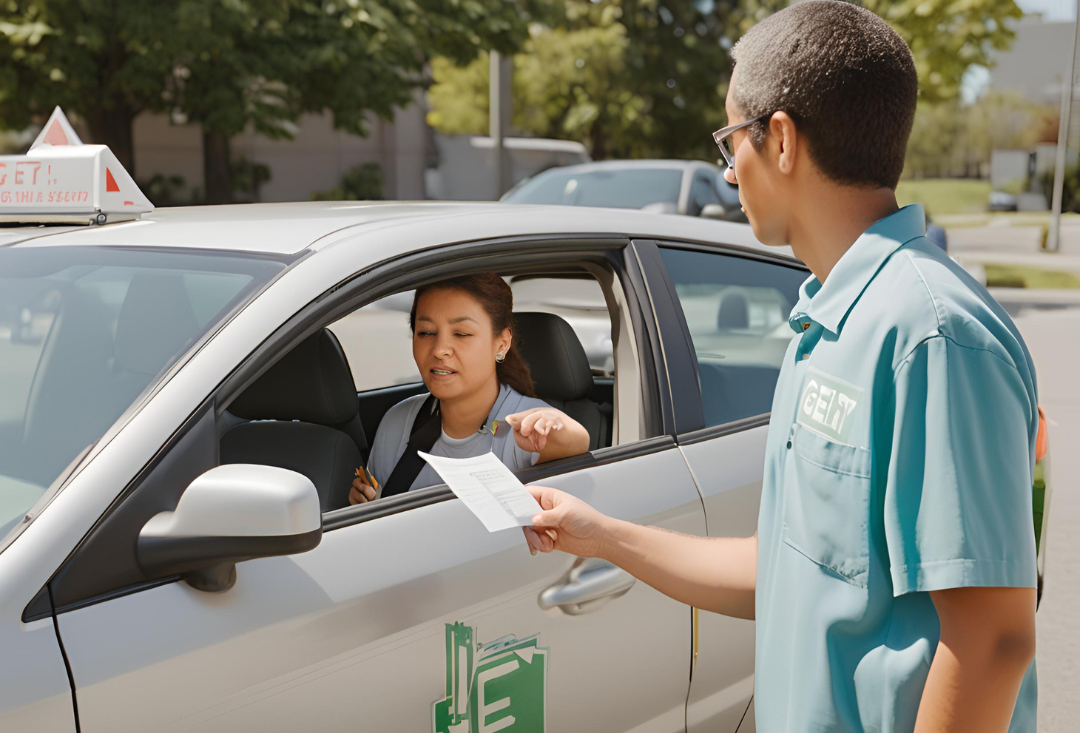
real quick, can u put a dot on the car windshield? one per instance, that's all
(84, 331)
(624, 188)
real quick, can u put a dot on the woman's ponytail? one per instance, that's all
(513, 370)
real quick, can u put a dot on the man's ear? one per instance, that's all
(782, 140)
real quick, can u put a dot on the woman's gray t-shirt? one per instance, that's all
(393, 436)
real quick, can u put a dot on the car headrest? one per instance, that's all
(558, 363)
(312, 383)
(734, 312)
(155, 322)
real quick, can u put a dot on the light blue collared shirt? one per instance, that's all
(899, 461)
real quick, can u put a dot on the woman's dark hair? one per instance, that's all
(497, 300)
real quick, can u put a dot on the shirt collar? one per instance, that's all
(828, 303)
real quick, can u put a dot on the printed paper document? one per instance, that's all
(488, 488)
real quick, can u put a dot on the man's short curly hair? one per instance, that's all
(845, 77)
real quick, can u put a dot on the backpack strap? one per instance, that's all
(426, 427)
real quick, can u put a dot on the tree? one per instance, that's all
(952, 139)
(649, 77)
(272, 61)
(627, 77)
(947, 37)
(106, 62)
(228, 64)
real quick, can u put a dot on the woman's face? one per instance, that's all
(453, 344)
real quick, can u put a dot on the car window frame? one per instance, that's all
(365, 286)
(688, 402)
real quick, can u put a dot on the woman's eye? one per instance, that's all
(424, 333)
(463, 334)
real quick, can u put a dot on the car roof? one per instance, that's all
(289, 228)
(618, 165)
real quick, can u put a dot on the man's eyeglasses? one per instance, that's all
(723, 138)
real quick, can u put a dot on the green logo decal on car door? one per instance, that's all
(503, 690)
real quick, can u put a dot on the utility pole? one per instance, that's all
(499, 105)
(1068, 84)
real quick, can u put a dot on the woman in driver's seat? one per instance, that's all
(466, 350)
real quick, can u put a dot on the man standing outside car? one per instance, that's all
(892, 577)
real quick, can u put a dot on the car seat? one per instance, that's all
(303, 415)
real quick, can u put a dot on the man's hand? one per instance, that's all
(578, 528)
(716, 574)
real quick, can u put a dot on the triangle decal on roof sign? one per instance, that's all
(57, 131)
(56, 135)
(110, 182)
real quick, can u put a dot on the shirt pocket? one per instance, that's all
(826, 506)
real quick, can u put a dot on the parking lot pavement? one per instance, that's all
(1053, 337)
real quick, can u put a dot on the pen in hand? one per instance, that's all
(367, 478)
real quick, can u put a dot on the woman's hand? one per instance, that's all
(578, 529)
(549, 432)
(361, 492)
(532, 427)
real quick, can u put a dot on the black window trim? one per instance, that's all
(677, 349)
(384, 278)
(728, 428)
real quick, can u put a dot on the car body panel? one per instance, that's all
(728, 472)
(34, 691)
(176, 638)
(297, 640)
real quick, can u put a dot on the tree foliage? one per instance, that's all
(649, 77)
(952, 139)
(231, 64)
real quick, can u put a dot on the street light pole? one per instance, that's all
(1068, 84)
(499, 106)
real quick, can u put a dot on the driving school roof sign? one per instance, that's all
(60, 178)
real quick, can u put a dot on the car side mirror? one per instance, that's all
(713, 211)
(228, 514)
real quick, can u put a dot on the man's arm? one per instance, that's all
(987, 643)
(714, 574)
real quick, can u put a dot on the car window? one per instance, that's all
(378, 343)
(702, 193)
(736, 310)
(624, 188)
(83, 332)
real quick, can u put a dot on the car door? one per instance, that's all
(702, 193)
(409, 615)
(731, 308)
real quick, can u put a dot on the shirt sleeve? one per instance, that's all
(957, 503)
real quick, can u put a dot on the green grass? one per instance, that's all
(940, 196)
(1019, 276)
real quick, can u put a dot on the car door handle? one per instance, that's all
(590, 584)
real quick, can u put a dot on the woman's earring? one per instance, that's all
(499, 358)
